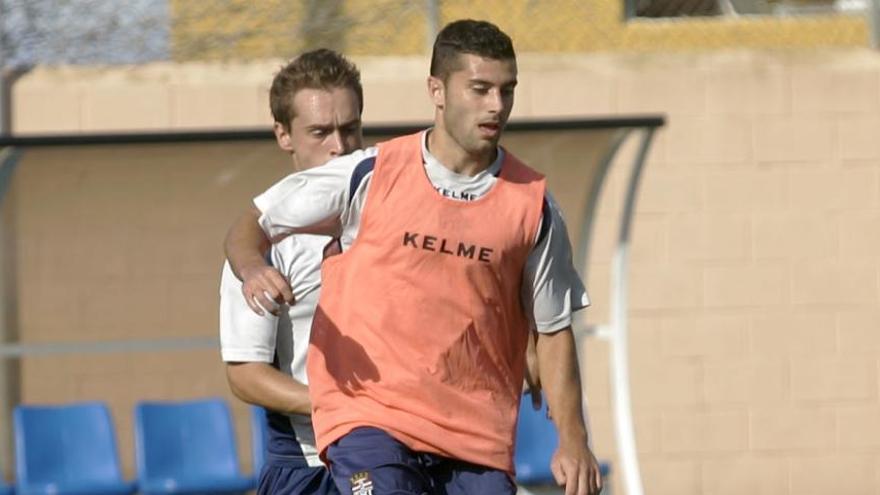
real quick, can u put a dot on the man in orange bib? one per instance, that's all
(452, 251)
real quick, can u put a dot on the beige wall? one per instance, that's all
(755, 317)
(755, 283)
(208, 96)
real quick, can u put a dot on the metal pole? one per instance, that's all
(10, 393)
(5, 100)
(8, 76)
(622, 405)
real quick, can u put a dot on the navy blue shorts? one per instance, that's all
(291, 475)
(368, 461)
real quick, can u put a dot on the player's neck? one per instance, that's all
(453, 156)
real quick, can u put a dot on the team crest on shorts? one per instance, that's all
(361, 484)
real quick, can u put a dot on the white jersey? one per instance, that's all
(333, 197)
(283, 341)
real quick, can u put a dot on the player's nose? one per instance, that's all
(337, 144)
(495, 101)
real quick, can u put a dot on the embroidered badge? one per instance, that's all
(361, 484)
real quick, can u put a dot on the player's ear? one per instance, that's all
(437, 91)
(282, 137)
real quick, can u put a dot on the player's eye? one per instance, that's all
(480, 89)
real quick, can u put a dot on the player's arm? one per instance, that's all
(246, 248)
(553, 291)
(246, 244)
(263, 385)
(247, 346)
(311, 202)
(573, 464)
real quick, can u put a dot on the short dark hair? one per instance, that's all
(317, 69)
(468, 36)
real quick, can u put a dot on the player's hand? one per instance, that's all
(576, 468)
(264, 289)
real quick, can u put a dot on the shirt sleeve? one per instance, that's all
(552, 288)
(311, 201)
(244, 335)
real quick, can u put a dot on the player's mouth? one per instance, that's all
(489, 129)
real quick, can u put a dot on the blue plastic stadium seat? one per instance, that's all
(259, 438)
(187, 448)
(536, 441)
(4, 488)
(67, 449)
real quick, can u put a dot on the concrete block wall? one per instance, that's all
(755, 275)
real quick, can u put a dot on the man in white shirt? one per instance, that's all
(316, 101)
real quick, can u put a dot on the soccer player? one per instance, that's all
(316, 101)
(452, 247)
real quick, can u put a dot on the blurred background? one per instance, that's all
(755, 277)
